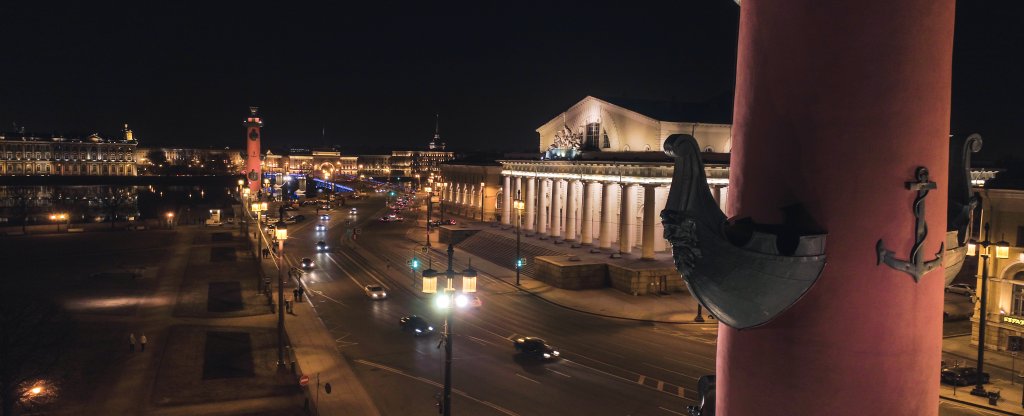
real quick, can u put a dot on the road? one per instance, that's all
(609, 366)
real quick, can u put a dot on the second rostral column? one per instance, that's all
(837, 104)
(253, 170)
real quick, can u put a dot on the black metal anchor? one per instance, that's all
(915, 267)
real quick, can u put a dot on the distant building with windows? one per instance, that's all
(30, 154)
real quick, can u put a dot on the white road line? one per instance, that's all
(436, 384)
(641, 380)
(369, 273)
(671, 411)
(691, 364)
(345, 272)
(671, 371)
(624, 379)
(527, 378)
(559, 373)
(480, 340)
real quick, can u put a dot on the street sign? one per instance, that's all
(304, 380)
(423, 249)
(358, 230)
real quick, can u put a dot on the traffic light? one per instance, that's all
(392, 193)
(415, 263)
(520, 262)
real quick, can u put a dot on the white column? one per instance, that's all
(607, 217)
(556, 208)
(627, 214)
(531, 203)
(650, 211)
(542, 207)
(571, 195)
(506, 200)
(660, 243)
(520, 193)
(587, 222)
(716, 193)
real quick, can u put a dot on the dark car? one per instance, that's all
(535, 347)
(321, 246)
(296, 218)
(437, 223)
(962, 376)
(307, 263)
(415, 324)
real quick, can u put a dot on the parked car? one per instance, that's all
(307, 263)
(962, 376)
(437, 223)
(321, 246)
(961, 289)
(536, 348)
(415, 324)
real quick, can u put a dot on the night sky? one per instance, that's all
(372, 77)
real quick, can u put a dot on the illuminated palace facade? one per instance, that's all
(601, 178)
(27, 154)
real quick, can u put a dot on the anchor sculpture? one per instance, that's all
(915, 266)
(744, 273)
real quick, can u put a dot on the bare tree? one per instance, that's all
(21, 197)
(34, 337)
(116, 198)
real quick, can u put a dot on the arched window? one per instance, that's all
(1017, 295)
(592, 135)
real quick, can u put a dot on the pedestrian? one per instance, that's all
(131, 342)
(295, 295)
(302, 292)
(142, 342)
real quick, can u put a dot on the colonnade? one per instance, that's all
(582, 211)
(464, 199)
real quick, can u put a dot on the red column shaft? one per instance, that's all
(837, 103)
(252, 162)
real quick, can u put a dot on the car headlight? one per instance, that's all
(418, 330)
(374, 295)
(430, 328)
(555, 353)
(546, 355)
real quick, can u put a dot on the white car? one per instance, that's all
(961, 289)
(353, 211)
(375, 291)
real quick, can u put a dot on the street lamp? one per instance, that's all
(170, 219)
(430, 200)
(519, 205)
(483, 195)
(448, 301)
(58, 218)
(257, 208)
(282, 234)
(976, 248)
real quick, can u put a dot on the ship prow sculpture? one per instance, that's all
(745, 274)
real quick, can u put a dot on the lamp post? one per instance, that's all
(170, 220)
(483, 195)
(448, 301)
(57, 218)
(282, 234)
(430, 201)
(1002, 252)
(519, 205)
(258, 207)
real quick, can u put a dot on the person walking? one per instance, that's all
(302, 292)
(142, 342)
(131, 342)
(295, 295)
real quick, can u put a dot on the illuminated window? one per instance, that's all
(1018, 296)
(591, 137)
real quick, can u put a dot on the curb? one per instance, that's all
(980, 406)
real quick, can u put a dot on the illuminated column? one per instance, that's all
(571, 195)
(506, 200)
(650, 212)
(868, 82)
(660, 197)
(587, 214)
(252, 162)
(531, 203)
(556, 208)
(627, 222)
(607, 216)
(542, 207)
(716, 192)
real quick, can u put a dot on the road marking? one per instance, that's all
(671, 411)
(624, 379)
(661, 386)
(479, 340)
(671, 371)
(345, 272)
(321, 293)
(559, 373)
(436, 384)
(527, 378)
(641, 380)
(369, 273)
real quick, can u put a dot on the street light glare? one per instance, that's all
(35, 391)
(461, 301)
(441, 301)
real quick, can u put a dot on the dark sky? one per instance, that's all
(184, 74)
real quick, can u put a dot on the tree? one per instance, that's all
(114, 199)
(21, 198)
(157, 159)
(34, 336)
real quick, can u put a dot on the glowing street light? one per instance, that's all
(281, 232)
(981, 248)
(449, 300)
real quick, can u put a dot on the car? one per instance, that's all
(321, 246)
(391, 218)
(962, 376)
(290, 208)
(321, 227)
(375, 291)
(307, 263)
(535, 347)
(325, 217)
(961, 289)
(353, 211)
(438, 223)
(415, 324)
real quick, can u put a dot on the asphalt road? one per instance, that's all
(608, 366)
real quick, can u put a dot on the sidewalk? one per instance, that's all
(316, 355)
